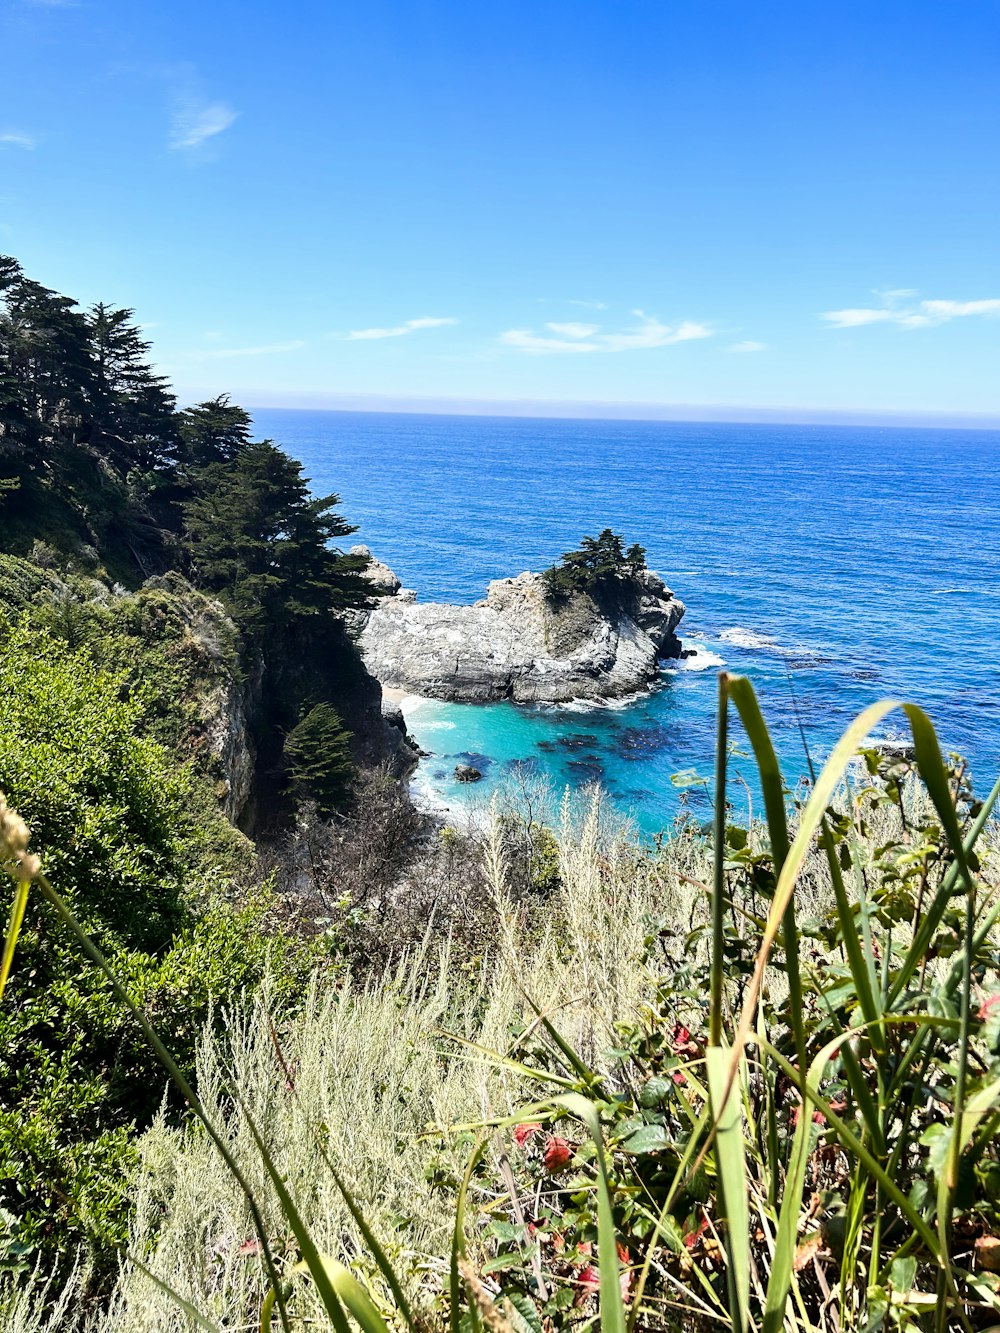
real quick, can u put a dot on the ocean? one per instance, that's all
(833, 565)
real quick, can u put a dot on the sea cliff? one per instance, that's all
(517, 643)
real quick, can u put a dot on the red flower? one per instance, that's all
(524, 1132)
(818, 1117)
(557, 1153)
(627, 1276)
(681, 1042)
(693, 1237)
(988, 1005)
(588, 1279)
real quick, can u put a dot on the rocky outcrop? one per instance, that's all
(516, 645)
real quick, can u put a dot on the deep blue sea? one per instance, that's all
(833, 565)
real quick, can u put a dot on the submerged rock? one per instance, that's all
(516, 645)
(466, 773)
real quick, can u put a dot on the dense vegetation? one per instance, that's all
(164, 579)
(599, 564)
(102, 475)
(533, 1075)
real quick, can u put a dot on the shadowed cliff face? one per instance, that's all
(516, 645)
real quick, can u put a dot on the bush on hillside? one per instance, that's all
(113, 818)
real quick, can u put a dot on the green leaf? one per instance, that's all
(651, 1138)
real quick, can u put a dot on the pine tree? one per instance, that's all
(133, 414)
(318, 758)
(214, 432)
(255, 534)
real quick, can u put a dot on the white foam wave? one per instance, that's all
(700, 659)
(429, 800)
(740, 637)
(440, 725)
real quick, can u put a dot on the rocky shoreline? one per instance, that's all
(516, 644)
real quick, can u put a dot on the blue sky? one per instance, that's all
(735, 204)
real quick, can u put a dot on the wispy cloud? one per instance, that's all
(195, 120)
(15, 139)
(223, 353)
(398, 330)
(575, 330)
(749, 345)
(576, 338)
(898, 307)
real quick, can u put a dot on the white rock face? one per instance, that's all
(514, 645)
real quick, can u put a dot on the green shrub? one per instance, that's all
(114, 818)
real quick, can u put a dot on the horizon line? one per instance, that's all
(577, 410)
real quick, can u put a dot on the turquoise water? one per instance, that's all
(833, 565)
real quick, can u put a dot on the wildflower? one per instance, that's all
(588, 1279)
(988, 1005)
(693, 1237)
(681, 1042)
(557, 1153)
(524, 1132)
(795, 1115)
(626, 1276)
(15, 858)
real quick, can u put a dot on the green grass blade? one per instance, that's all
(354, 1296)
(311, 1256)
(935, 778)
(718, 962)
(608, 1268)
(14, 923)
(780, 1278)
(191, 1311)
(573, 1060)
(458, 1248)
(772, 785)
(539, 1075)
(348, 1289)
(378, 1253)
(731, 1161)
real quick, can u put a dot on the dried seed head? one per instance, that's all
(15, 858)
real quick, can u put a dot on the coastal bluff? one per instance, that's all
(517, 644)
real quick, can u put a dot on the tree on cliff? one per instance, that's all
(215, 431)
(598, 563)
(317, 757)
(255, 534)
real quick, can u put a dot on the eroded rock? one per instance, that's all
(514, 644)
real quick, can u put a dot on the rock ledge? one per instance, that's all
(515, 645)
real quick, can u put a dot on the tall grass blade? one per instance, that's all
(348, 1289)
(608, 1269)
(743, 696)
(311, 1257)
(91, 950)
(731, 1161)
(192, 1313)
(458, 1248)
(14, 923)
